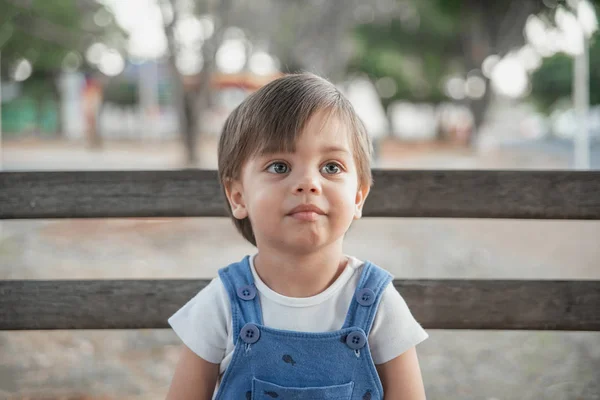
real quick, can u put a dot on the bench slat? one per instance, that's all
(196, 193)
(437, 304)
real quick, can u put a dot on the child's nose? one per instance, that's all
(308, 185)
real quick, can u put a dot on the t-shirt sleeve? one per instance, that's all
(203, 321)
(394, 329)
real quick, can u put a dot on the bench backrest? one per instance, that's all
(437, 304)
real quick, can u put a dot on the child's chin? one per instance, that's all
(306, 242)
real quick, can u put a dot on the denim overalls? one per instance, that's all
(287, 365)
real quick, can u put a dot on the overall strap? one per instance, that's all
(243, 295)
(365, 302)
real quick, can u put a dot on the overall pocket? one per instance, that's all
(262, 390)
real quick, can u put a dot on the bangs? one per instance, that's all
(281, 136)
(273, 118)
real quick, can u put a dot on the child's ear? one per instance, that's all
(235, 197)
(359, 202)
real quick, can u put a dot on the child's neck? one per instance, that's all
(300, 275)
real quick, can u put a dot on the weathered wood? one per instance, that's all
(103, 194)
(437, 304)
(187, 193)
(504, 304)
(92, 304)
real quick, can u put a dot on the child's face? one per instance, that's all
(321, 173)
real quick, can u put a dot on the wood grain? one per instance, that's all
(196, 193)
(436, 304)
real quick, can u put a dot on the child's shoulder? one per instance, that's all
(212, 295)
(207, 312)
(374, 271)
(238, 269)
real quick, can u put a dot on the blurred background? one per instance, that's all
(440, 84)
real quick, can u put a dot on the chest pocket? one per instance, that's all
(262, 390)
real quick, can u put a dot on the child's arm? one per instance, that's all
(401, 377)
(195, 378)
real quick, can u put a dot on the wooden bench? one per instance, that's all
(437, 304)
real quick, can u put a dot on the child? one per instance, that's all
(299, 319)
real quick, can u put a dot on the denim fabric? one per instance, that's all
(287, 365)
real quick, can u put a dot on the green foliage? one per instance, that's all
(45, 31)
(418, 58)
(553, 81)
(416, 54)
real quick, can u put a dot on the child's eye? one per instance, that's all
(331, 168)
(278, 168)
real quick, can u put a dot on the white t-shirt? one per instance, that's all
(204, 323)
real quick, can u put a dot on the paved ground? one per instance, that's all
(139, 364)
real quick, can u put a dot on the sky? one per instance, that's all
(144, 22)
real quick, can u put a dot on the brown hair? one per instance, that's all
(272, 118)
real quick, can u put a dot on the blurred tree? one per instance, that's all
(52, 36)
(420, 43)
(553, 81)
(315, 36)
(303, 35)
(191, 99)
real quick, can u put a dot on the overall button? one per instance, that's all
(247, 292)
(356, 340)
(250, 333)
(365, 297)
